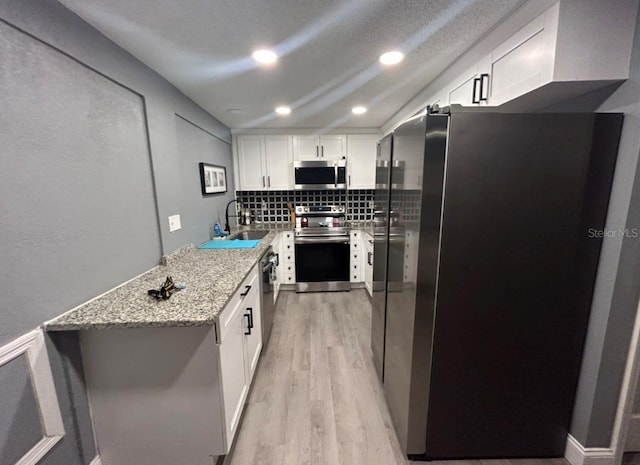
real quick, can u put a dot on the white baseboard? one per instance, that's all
(96, 461)
(632, 441)
(577, 454)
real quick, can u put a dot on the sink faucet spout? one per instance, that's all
(226, 214)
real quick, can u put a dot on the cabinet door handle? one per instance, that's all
(250, 310)
(268, 181)
(248, 332)
(349, 179)
(317, 152)
(475, 98)
(246, 291)
(369, 256)
(484, 90)
(263, 183)
(322, 151)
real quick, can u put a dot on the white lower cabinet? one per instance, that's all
(240, 345)
(235, 382)
(146, 385)
(367, 241)
(355, 257)
(287, 267)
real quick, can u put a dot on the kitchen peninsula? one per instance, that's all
(165, 377)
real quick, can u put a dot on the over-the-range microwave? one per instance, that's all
(320, 174)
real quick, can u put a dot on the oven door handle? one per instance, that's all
(321, 240)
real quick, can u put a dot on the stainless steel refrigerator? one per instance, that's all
(484, 274)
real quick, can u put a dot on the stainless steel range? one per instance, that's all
(322, 248)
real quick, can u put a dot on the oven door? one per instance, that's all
(322, 264)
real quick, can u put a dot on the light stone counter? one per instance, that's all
(211, 277)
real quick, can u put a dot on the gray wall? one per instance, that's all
(197, 145)
(618, 282)
(93, 161)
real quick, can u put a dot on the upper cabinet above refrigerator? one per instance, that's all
(568, 50)
(361, 156)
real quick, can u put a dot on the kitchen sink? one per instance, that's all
(249, 235)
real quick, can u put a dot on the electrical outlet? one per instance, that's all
(174, 223)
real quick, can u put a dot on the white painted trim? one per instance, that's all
(577, 454)
(96, 461)
(32, 345)
(628, 390)
(37, 452)
(632, 442)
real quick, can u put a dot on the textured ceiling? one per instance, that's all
(328, 49)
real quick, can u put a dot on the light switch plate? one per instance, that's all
(174, 223)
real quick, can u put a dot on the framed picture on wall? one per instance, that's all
(213, 179)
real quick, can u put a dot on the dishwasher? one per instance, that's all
(268, 265)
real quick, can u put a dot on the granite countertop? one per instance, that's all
(211, 277)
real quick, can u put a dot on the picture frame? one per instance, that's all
(213, 179)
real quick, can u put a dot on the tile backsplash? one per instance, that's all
(271, 206)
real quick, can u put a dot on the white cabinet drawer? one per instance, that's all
(287, 236)
(246, 290)
(287, 247)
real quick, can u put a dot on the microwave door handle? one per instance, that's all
(335, 170)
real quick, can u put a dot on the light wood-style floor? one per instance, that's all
(316, 398)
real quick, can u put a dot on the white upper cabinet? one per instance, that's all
(279, 162)
(251, 157)
(470, 88)
(525, 61)
(570, 49)
(325, 147)
(333, 147)
(361, 160)
(539, 57)
(265, 162)
(306, 148)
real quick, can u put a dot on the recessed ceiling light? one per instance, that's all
(283, 110)
(391, 58)
(358, 110)
(264, 56)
